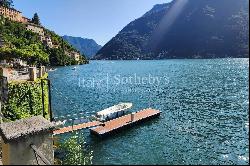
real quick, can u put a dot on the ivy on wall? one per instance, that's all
(25, 100)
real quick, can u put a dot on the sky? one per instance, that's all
(95, 19)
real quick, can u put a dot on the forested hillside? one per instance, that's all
(17, 42)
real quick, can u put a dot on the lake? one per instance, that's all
(204, 106)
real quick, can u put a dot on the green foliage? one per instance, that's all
(32, 54)
(58, 40)
(58, 58)
(20, 43)
(26, 45)
(75, 150)
(25, 100)
(6, 3)
(36, 19)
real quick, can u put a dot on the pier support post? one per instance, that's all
(132, 117)
(32, 73)
(27, 142)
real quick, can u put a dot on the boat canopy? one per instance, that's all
(114, 109)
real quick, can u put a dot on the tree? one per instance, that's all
(36, 19)
(6, 3)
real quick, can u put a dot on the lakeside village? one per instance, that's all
(18, 66)
(27, 52)
(28, 128)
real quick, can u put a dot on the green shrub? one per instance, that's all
(75, 151)
(25, 100)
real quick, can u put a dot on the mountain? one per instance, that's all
(87, 47)
(184, 29)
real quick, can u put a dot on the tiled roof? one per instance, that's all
(30, 126)
(35, 25)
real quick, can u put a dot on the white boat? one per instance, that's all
(59, 124)
(74, 68)
(53, 69)
(113, 112)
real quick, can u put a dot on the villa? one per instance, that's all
(74, 55)
(35, 28)
(13, 14)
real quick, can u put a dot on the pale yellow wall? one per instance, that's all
(76, 56)
(11, 14)
(5, 155)
(35, 29)
(20, 153)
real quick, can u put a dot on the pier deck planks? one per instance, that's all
(124, 121)
(97, 128)
(76, 127)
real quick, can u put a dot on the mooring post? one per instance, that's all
(27, 142)
(132, 117)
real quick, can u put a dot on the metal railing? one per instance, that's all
(40, 155)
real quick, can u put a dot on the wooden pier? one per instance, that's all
(76, 127)
(103, 129)
(112, 126)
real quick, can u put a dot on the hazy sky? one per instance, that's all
(97, 19)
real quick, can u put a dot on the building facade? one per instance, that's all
(48, 42)
(20, 62)
(74, 55)
(13, 14)
(35, 28)
(25, 20)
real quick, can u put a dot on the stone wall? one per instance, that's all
(27, 141)
(20, 152)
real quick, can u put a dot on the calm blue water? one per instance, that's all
(204, 106)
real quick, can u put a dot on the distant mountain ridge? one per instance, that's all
(184, 29)
(86, 46)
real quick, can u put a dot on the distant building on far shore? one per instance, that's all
(73, 54)
(45, 39)
(13, 14)
(48, 41)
